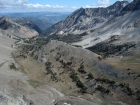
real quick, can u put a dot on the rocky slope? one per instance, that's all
(85, 27)
(16, 88)
(78, 72)
(135, 5)
(85, 19)
(12, 28)
(27, 23)
(126, 22)
(108, 73)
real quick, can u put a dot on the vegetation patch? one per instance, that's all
(49, 71)
(81, 69)
(74, 77)
(79, 84)
(35, 83)
(103, 80)
(106, 49)
(13, 66)
(137, 95)
(126, 89)
(103, 90)
(90, 76)
(70, 38)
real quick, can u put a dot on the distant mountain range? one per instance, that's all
(41, 20)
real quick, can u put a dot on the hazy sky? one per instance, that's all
(51, 5)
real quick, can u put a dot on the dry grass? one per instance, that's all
(35, 83)
(125, 63)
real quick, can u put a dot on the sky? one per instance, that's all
(51, 5)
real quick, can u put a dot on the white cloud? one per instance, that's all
(95, 6)
(33, 5)
(47, 5)
(104, 2)
(43, 6)
(7, 4)
(74, 7)
(12, 2)
(126, 0)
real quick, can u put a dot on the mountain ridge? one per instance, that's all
(16, 29)
(83, 19)
(124, 22)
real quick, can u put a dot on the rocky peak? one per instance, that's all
(4, 19)
(5, 23)
(134, 5)
(119, 4)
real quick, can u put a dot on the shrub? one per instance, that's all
(36, 57)
(126, 88)
(81, 69)
(74, 77)
(48, 66)
(12, 66)
(102, 89)
(138, 95)
(102, 80)
(90, 76)
(81, 85)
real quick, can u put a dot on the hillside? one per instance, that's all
(92, 57)
(12, 28)
(17, 88)
(27, 23)
(80, 73)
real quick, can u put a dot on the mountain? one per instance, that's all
(126, 22)
(100, 61)
(89, 26)
(43, 20)
(28, 23)
(87, 18)
(16, 29)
